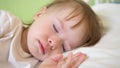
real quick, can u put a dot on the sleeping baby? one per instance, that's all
(57, 28)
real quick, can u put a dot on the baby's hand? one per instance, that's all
(72, 61)
(58, 61)
(51, 62)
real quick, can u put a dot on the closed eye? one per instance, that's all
(55, 28)
(64, 49)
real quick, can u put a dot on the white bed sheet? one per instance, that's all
(105, 54)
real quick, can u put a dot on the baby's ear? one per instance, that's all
(39, 13)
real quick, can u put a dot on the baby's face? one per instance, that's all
(51, 34)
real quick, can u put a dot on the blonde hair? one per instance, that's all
(94, 27)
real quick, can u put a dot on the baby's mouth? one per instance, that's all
(41, 48)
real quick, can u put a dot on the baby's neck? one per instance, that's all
(24, 40)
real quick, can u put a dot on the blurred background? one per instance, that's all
(25, 9)
(93, 2)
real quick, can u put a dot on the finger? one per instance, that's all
(77, 54)
(61, 64)
(79, 60)
(68, 60)
(57, 58)
(75, 59)
(69, 57)
(54, 59)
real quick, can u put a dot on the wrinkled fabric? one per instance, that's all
(11, 53)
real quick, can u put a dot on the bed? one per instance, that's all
(105, 54)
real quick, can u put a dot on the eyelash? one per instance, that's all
(55, 29)
(63, 48)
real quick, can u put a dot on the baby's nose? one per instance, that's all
(54, 42)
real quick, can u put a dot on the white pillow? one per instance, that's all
(110, 18)
(105, 54)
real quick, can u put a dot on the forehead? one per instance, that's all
(68, 13)
(66, 9)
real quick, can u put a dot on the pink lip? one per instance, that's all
(41, 48)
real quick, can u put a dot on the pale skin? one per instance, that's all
(50, 34)
(57, 61)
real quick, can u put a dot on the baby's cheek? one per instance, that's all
(34, 52)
